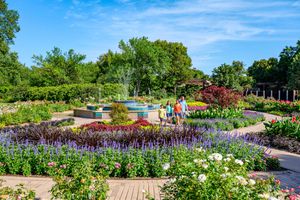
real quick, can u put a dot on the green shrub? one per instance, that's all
(19, 193)
(61, 93)
(227, 113)
(119, 113)
(289, 127)
(215, 176)
(84, 183)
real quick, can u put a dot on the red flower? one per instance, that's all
(294, 119)
(277, 182)
(273, 121)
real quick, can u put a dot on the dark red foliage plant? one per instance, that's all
(219, 96)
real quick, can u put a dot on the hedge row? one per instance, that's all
(60, 93)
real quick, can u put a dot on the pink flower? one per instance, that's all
(277, 182)
(117, 165)
(51, 164)
(129, 166)
(63, 166)
(293, 197)
(292, 190)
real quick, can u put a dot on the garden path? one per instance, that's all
(131, 189)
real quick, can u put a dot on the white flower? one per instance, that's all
(143, 191)
(215, 156)
(193, 173)
(272, 198)
(201, 178)
(229, 156)
(226, 169)
(166, 166)
(264, 196)
(237, 161)
(196, 161)
(172, 180)
(251, 182)
(223, 175)
(205, 166)
(227, 159)
(242, 180)
(199, 149)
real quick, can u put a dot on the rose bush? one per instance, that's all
(216, 176)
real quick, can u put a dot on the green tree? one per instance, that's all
(179, 69)
(232, 76)
(11, 71)
(9, 26)
(264, 70)
(285, 64)
(57, 68)
(294, 69)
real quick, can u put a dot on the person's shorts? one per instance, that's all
(161, 119)
(183, 114)
(169, 115)
(178, 114)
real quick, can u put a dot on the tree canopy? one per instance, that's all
(232, 76)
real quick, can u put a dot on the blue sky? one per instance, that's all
(215, 31)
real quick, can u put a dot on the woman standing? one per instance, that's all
(169, 112)
(177, 112)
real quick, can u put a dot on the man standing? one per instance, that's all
(184, 107)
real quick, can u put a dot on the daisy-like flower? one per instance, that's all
(237, 161)
(166, 166)
(200, 149)
(201, 178)
(264, 196)
(226, 169)
(227, 159)
(242, 180)
(215, 156)
(205, 166)
(251, 182)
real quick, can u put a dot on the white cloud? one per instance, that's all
(196, 23)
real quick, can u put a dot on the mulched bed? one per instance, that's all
(277, 141)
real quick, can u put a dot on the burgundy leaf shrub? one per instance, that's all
(219, 96)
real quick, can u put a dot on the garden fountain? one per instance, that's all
(101, 111)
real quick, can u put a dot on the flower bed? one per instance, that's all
(287, 127)
(215, 176)
(227, 113)
(35, 112)
(29, 150)
(273, 106)
(195, 108)
(98, 126)
(276, 141)
(242, 119)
